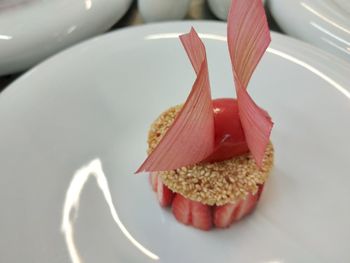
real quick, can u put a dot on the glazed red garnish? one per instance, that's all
(190, 139)
(248, 38)
(229, 136)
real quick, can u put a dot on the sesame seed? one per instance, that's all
(213, 184)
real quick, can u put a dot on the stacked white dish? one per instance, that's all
(325, 24)
(32, 30)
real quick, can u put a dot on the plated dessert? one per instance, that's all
(209, 159)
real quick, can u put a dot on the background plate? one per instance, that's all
(31, 30)
(324, 23)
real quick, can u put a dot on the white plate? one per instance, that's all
(221, 7)
(31, 30)
(324, 23)
(68, 111)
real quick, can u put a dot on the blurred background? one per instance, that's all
(127, 13)
(33, 30)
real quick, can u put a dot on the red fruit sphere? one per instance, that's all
(229, 136)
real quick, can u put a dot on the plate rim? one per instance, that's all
(302, 51)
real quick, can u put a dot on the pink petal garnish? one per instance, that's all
(190, 139)
(248, 38)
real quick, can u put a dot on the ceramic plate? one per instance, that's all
(31, 30)
(324, 23)
(221, 7)
(73, 132)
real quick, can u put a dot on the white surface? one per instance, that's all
(324, 23)
(68, 111)
(161, 10)
(221, 7)
(31, 30)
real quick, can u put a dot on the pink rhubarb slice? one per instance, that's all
(248, 38)
(191, 137)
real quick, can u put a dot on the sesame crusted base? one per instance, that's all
(216, 183)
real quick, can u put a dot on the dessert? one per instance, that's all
(209, 159)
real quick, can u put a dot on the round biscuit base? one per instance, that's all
(216, 183)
